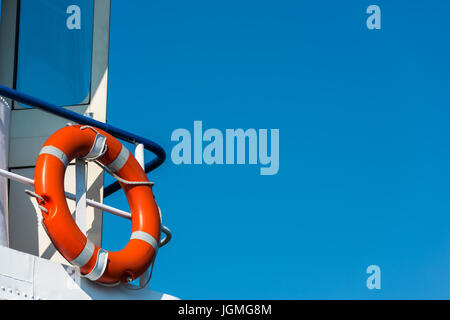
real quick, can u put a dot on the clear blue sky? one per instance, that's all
(364, 144)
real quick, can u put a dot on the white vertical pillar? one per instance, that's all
(139, 154)
(80, 212)
(4, 130)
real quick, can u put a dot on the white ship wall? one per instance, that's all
(4, 129)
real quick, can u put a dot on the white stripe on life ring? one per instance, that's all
(56, 153)
(144, 236)
(120, 161)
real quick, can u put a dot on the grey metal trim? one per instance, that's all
(85, 255)
(144, 236)
(98, 148)
(56, 153)
(100, 266)
(120, 161)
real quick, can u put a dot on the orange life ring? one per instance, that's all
(96, 263)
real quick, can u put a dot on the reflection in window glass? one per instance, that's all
(55, 50)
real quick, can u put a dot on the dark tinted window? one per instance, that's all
(55, 50)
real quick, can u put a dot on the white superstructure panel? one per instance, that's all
(30, 128)
(26, 277)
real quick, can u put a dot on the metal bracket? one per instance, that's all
(98, 148)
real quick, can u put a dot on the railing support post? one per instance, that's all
(139, 155)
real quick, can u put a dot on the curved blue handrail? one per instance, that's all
(80, 119)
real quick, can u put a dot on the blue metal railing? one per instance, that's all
(80, 119)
